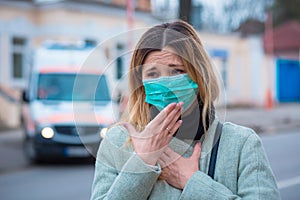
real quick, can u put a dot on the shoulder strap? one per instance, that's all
(214, 152)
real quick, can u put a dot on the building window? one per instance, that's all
(90, 42)
(18, 65)
(18, 57)
(120, 62)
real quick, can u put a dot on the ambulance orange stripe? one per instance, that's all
(78, 118)
(69, 69)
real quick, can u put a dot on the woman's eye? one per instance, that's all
(152, 75)
(178, 71)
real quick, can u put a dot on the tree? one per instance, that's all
(237, 11)
(285, 10)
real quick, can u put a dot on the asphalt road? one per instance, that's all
(19, 180)
(283, 151)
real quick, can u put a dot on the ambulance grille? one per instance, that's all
(77, 130)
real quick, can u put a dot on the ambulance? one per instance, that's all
(67, 106)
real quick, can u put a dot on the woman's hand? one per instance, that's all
(152, 141)
(177, 170)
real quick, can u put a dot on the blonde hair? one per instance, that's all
(183, 39)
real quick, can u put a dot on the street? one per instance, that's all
(283, 152)
(47, 182)
(19, 180)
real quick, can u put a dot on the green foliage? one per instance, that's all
(285, 10)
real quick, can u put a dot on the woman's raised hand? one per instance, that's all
(152, 141)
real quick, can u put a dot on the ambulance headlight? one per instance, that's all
(47, 132)
(103, 132)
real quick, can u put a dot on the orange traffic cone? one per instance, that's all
(269, 100)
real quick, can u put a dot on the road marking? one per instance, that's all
(288, 182)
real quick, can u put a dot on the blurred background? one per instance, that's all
(254, 45)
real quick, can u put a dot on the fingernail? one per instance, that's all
(172, 104)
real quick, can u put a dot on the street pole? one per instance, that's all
(130, 21)
(185, 7)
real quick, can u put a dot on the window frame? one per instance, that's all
(23, 49)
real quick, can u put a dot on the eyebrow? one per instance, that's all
(175, 65)
(152, 68)
(169, 65)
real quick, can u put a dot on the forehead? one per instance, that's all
(163, 57)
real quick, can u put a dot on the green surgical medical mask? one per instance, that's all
(164, 90)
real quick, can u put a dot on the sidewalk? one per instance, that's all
(280, 118)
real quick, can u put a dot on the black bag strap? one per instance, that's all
(214, 152)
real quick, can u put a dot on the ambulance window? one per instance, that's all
(73, 87)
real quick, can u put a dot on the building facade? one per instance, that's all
(25, 25)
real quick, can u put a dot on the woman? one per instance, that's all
(166, 148)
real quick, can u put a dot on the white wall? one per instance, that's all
(246, 66)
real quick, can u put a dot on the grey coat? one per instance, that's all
(242, 170)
